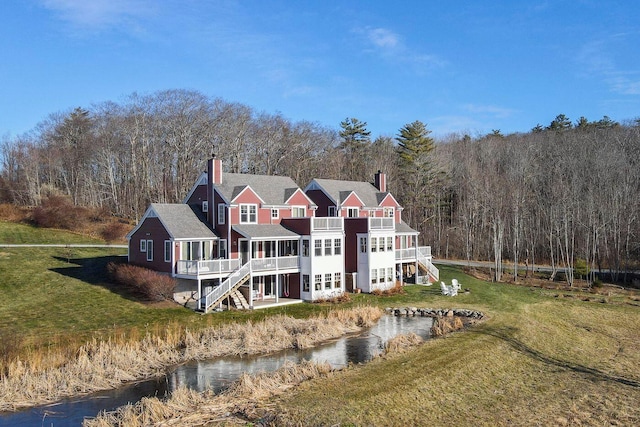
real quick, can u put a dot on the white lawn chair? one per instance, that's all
(453, 289)
(446, 290)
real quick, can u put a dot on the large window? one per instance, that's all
(305, 247)
(318, 247)
(167, 251)
(305, 283)
(221, 214)
(327, 246)
(317, 282)
(248, 214)
(337, 246)
(363, 244)
(149, 250)
(353, 212)
(298, 212)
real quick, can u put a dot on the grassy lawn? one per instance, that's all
(542, 358)
(14, 233)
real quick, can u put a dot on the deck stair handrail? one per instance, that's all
(425, 262)
(231, 283)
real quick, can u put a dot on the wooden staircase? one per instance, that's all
(231, 284)
(239, 300)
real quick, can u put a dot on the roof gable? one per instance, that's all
(338, 191)
(271, 189)
(179, 220)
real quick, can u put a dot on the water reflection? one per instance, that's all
(217, 374)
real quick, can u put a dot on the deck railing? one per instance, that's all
(413, 253)
(327, 223)
(276, 263)
(381, 223)
(198, 268)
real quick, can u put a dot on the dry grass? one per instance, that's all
(444, 325)
(235, 405)
(402, 343)
(101, 365)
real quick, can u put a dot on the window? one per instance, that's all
(374, 244)
(305, 283)
(388, 212)
(327, 246)
(374, 275)
(298, 212)
(337, 280)
(318, 247)
(275, 213)
(337, 246)
(381, 244)
(317, 282)
(331, 211)
(248, 214)
(390, 275)
(353, 212)
(143, 246)
(389, 243)
(149, 250)
(221, 214)
(167, 251)
(222, 249)
(363, 244)
(205, 206)
(305, 247)
(327, 281)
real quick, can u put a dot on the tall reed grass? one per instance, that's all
(100, 365)
(190, 408)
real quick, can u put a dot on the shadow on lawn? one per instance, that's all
(506, 334)
(94, 271)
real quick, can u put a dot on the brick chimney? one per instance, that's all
(380, 181)
(214, 176)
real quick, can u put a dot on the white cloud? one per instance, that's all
(383, 38)
(96, 15)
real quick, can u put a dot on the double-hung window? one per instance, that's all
(248, 214)
(389, 243)
(353, 212)
(317, 282)
(327, 246)
(221, 214)
(298, 212)
(167, 251)
(327, 281)
(318, 247)
(149, 250)
(331, 211)
(337, 280)
(275, 213)
(337, 246)
(363, 244)
(388, 212)
(374, 244)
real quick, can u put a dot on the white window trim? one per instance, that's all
(389, 212)
(149, 250)
(167, 245)
(331, 211)
(143, 245)
(293, 211)
(205, 206)
(275, 211)
(221, 213)
(249, 206)
(356, 210)
(222, 249)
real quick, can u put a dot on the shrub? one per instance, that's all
(147, 283)
(113, 231)
(59, 212)
(396, 290)
(13, 213)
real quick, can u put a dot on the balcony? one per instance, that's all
(207, 267)
(410, 254)
(275, 264)
(327, 223)
(381, 223)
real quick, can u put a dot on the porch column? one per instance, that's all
(278, 286)
(199, 293)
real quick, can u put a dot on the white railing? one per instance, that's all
(381, 223)
(197, 268)
(225, 287)
(413, 253)
(327, 223)
(276, 263)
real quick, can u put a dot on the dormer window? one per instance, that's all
(353, 212)
(389, 212)
(248, 214)
(298, 212)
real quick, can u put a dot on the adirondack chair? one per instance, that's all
(455, 285)
(446, 290)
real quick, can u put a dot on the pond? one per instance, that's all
(218, 373)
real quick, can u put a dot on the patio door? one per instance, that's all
(244, 250)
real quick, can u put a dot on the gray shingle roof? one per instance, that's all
(273, 190)
(258, 231)
(183, 221)
(339, 190)
(403, 227)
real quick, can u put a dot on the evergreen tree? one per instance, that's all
(355, 146)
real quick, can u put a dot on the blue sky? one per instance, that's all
(466, 66)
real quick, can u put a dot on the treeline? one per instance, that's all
(563, 194)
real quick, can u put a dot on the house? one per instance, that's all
(254, 240)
